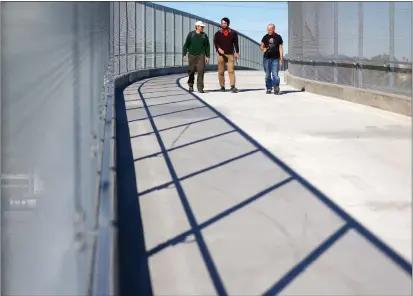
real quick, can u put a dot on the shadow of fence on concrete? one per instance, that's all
(133, 263)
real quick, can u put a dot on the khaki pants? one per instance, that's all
(196, 63)
(229, 60)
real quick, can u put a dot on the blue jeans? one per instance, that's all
(271, 66)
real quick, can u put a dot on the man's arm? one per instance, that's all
(216, 41)
(262, 45)
(281, 49)
(207, 46)
(186, 45)
(236, 45)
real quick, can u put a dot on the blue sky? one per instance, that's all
(249, 18)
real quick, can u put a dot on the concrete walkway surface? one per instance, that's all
(255, 194)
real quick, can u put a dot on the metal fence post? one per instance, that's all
(118, 38)
(136, 39)
(391, 46)
(144, 36)
(360, 42)
(173, 39)
(154, 37)
(164, 37)
(127, 36)
(317, 37)
(335, 40)
(183, 36)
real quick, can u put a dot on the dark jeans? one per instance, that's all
(196, 63)
(271, 66)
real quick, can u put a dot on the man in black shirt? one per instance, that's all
(272, 46)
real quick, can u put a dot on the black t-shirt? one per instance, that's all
(272, 42)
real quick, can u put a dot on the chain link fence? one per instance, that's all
(147, 36)
(360, 44)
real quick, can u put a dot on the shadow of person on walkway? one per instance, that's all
(286, 92)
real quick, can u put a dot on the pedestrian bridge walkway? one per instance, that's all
(255, 194)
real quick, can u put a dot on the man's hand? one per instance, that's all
(237, 55)
(220, 50)
(206, 60)
(185, 58)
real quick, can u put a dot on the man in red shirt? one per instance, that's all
(225, 41)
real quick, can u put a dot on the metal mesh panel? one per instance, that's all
(122, 38)
(160, 38)
(402, 31)
(140, 35)
(170, 31)
(324, 73)
(150, 37)
(51, 139)
(122, 28)
(364, 44)
(112, 29)
(402, 84)
(308, 71)
(179, 40)
(348, 29)
(186, 26)
(211, 42)
(192, 22)
(346, 76)
(131, 36)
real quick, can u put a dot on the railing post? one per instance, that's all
(173, 39)
(391, 45)
(127, 36)
(119, 38)
(136, 39)
(144, 35)
(154, 37)
(360, 42)
(317, 37)
(165, 38)
(335, 40)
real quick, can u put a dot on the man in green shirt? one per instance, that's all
(197, 48)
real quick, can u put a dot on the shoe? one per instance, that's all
(222, 88)
(191, 89)
(268, 91)
(234, 89)
(276, 90)
(201, 91)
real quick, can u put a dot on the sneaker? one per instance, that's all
(191, 89)
(234, 89)
(201, 91)
(276, 90)
(268, 91)
(222, 88)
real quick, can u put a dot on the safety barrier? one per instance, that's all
(366, 45)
